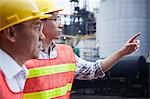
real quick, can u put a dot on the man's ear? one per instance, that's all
(10, 34)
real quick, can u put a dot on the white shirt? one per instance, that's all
(85, 70)
(14, 74)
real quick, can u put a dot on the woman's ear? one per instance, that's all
(10, 34)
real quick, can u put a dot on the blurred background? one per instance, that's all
(97, 28)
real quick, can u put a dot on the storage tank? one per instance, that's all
(118, 20)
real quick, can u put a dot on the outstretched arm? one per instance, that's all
(130, 46)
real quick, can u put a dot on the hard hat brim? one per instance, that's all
(54, 10)
(20, 21)
(45, 16)
(60, 10)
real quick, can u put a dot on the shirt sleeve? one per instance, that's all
(86, 70)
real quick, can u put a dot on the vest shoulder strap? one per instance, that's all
(65, 51)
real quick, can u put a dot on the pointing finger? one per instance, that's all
(134, 37)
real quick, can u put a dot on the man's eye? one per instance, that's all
(37, 28)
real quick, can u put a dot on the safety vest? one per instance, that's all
(5, 92)
(51, 78)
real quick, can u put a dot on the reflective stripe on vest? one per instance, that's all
(41, 71)
(49, 93)
(51, 78)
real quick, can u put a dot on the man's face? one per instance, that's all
(51, 30)
(30, 38)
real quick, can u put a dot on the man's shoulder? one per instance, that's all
(63, 46)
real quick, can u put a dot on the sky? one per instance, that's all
(67, 6)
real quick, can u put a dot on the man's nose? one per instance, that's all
(60, 26)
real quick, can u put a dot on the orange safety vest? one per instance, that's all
(5, 92)
(51, 78)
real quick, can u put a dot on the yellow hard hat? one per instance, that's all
(45, 16)
(47, 6)
(17, 11)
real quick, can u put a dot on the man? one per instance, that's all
(20, 40)
(51, 76)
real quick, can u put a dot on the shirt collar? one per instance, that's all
(53, 45)
(52, 53)
(8, 65)
(25, 70)
(51, 48)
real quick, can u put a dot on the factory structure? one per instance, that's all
(111, 24)
(118, 20)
